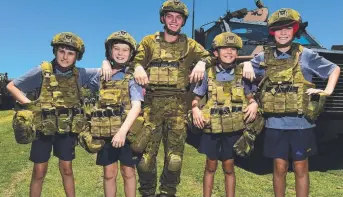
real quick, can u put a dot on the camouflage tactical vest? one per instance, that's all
(283, 90)
(113, 105)
(226, 100)
(168, 69)
(58, 108)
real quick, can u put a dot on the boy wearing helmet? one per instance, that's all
(167, 57)
(119, 105)
(56, 115)
(290, 101)
(227, 115)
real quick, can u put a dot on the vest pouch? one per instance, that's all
(268, 101)
(105, 125)
(115, 122)
(291, 102)
(216, 123)
(57, 97)
(173, 75)
(139, 135)
(237, 94)
(23, 127)
(49, 123)
(163, 77)
(315, 106)
(237, 118)
(95, 123)
(64, 121)
(79, 123)
(280, 103)
(153, 75)
(227, 121)
(108, 97)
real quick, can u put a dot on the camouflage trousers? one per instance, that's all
(167, 118)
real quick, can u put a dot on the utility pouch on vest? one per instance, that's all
(237, 94)
(153, 78)
(23, 127)
(96, 123)
(110, 96)
(79, 122)
(227, 122)
(64, 121)
(163, 75)
(238, 120)
(49, 123)
(58, 98)
(216, 122)
(315, 106)
(139, 135)
(105, 126)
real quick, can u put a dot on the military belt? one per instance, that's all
(225, 110)
(164, 64)
(282, 89)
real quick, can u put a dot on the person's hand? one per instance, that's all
(198, 72)
(140, 76)
(317, 91)
(250, 112)
(118, 139)
(248, 71)
(198, 118)
(106, 70)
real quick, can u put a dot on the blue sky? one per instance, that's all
(27, 27)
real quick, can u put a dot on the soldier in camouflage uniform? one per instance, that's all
(167, 58)
(118, 107)
(56, 117)
(289, 99)
(228, 117)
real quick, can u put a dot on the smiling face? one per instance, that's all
(173, 21)
(121, 53)
(65, 56)
(284, 35)
(226, 55)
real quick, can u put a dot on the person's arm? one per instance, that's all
(26, 83)
(322, 68)
(136, 97)
(248, 68)
(202, 57)
(199, 91)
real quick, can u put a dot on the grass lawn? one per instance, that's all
(253, 175)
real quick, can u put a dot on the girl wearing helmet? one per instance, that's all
(218, 144)
(290, 100)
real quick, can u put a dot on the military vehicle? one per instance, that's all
(6, 101)
(251, 26)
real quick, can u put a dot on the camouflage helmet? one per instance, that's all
(174, 6)
(227, 39)
(69, 39)
(283, 17)
(121, 36)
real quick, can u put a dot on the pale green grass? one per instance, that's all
(16, 174)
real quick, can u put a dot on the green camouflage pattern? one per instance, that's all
(24, 130)
(167, 119)
(121, 36)
(54, 110)
(174, 6)
(167, 69)
(139, 135)
(227, 39)
(245, 144)
(226, 100)
(90, 144)
(69, 39)
(283, 90)
(284, 14)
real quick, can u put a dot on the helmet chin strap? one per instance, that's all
(173, 33)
